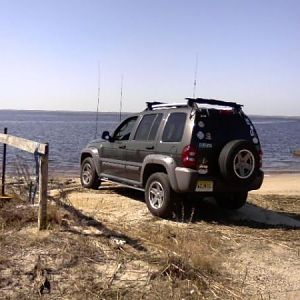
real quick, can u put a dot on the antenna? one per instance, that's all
(97, 114)
(121, 98)
(195, 76)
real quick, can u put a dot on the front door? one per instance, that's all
(113, 153)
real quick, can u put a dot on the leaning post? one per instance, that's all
(43, 184)
(3, 166)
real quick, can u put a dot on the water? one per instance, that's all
(68, 132)
(279, 137)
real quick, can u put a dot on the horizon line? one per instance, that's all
(125, 112)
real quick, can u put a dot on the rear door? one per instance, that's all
(144, 142)
(175, 135)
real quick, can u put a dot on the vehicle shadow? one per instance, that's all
(125, 192)
(250, 215)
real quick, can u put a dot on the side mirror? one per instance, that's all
(106, 136)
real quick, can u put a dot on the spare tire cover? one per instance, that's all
(239, 161)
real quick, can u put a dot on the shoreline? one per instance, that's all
(267, 173)
(288, 172)
(278, 182)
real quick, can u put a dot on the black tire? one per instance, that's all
(88, 175)
(232, 200)
(159, 196)
(239, 162)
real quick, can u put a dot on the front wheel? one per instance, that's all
(159, 196)
(88, 175)
(232, 200)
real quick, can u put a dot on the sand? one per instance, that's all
(280, 184)
(255, 249)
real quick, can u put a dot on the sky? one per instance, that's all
(248, 52)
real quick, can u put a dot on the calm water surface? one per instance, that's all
(68, 132)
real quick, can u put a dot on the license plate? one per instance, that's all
(204, 186)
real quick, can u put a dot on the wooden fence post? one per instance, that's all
(43, 151)
(43, 194)
(4, 165)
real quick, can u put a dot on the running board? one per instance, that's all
(122, 184)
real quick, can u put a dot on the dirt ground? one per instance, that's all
(105, 244)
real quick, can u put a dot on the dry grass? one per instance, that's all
(16, 214)
(133, 256)
(287, 204)
(86, 261)
(197, 249)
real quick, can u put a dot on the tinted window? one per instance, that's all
(123, 132)
(144, 128)
(148, 127)
(154, 128)
(174, 127)
(227, 127)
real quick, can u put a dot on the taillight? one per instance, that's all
(189, 157)
(260, 153)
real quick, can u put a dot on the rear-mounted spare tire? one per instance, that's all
(239, 161)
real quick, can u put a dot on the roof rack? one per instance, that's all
(153, 105)
(191, 102)
(234, 105)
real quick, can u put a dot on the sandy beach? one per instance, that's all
(281, 184)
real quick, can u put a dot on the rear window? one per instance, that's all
(222, 127)
(174, 127)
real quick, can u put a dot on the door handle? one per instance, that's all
(150, 147)
(122, 147)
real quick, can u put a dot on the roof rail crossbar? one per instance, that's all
(234, 105)
(151, 104)
(157, 105)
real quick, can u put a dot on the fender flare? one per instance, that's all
(92, 152)
(163, 160)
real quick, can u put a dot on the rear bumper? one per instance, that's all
(187, 181)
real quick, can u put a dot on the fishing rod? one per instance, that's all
(121, 98)
(195, 76)
(97, 114)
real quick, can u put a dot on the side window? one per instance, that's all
(174, 127)
(155, 126)
(123, 132)
(144, 128)
(148, 127)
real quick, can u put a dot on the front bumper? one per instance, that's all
(188, 181)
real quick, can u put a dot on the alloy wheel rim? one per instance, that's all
(243, 164)
(87, 173)
(156, 195)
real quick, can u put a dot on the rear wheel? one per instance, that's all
(232, 200)
(159, 196)
(88, 175)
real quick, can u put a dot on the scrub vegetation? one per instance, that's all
(105, 245)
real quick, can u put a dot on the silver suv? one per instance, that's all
(204, 146)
